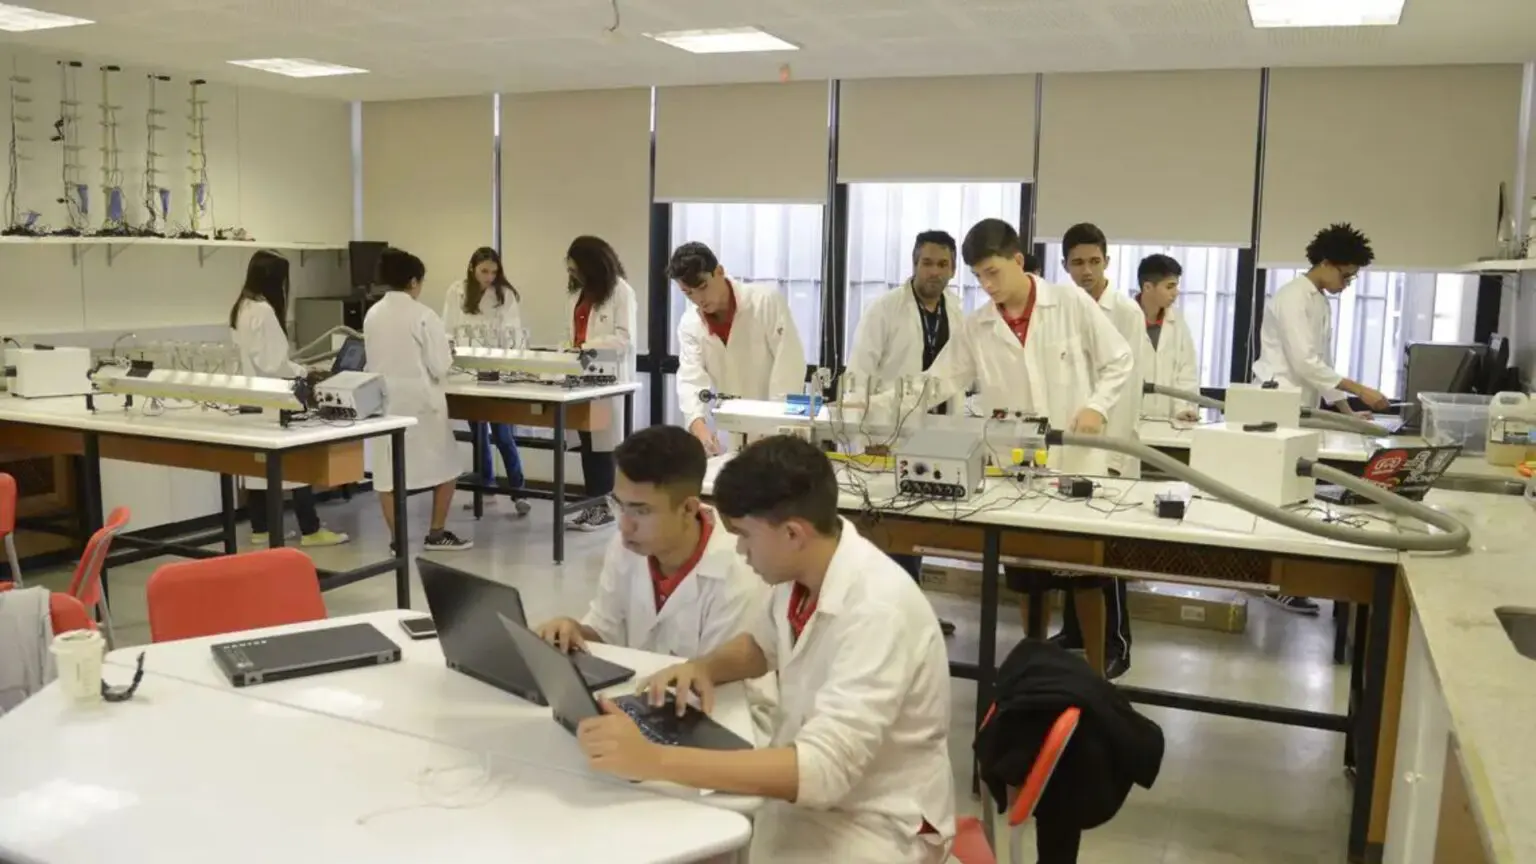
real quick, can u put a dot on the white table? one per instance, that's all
(197, 438)
(422, 698)
(183, 774)
(554, 407)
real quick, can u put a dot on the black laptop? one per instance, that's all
(560, 681)
(1407, 471)
(352, 357)
(465, 606)
(308, 652)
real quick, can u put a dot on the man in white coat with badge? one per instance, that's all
(857, 770)
(739, 340)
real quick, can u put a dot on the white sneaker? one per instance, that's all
(595, 518)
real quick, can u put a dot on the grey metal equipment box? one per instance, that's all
(941, 463)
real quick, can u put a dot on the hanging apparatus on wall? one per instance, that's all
(111, 170)
(200, 202)
(75, 194)
(17, 222)
(157, 198)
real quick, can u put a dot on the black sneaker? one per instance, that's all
(596, 518)
(1116, 666)
(1294, 605)
(447, 541)
(946, 627)
(1060, 640)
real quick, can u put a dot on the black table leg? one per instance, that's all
(275, 530)
(227, 512)
(477, 445)
(559, 503)
(629, 413)
(1368, 718)
(402, 533)
(986, 654)
(1341, 618)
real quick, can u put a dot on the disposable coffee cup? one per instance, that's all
(77, 657)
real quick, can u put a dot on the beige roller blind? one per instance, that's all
(573, 163)
(1412, 156)
(427, 182)
(895, 130)
(1150, 156)
(742, 142)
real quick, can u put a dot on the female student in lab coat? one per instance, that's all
(1168, 348)
(672, 582)
(257, 324)
(408, 345)
(857, 768)
(740, 341)
(600, 313)
(484, 306)
(1037, 348)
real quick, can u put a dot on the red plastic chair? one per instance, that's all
(972, 836)
(231, 593)
(86, 584)
(8, 524)
(68, 614)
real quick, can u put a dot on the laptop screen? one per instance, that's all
(351, 358)
(558, 679)
(1409, 471)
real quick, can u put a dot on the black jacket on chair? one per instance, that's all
(1113, 748)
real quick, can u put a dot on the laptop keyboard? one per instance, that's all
(660, 725)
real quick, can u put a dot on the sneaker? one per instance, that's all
(263, 540)
(522, 506)
(946, 627)
(1294, 605)
(1116, 666)
(324, 537)
(594, 518)
(1060, 640)
(447, 541)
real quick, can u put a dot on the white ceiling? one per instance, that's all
(423, 48)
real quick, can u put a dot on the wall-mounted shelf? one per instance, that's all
(1514, 265)
(205, 248)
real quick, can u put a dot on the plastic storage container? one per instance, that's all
(1456, 418)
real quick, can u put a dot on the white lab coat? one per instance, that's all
(864, 699)
(611, 325)
(1074, 359)
(496, 316)
(407, 344)
(1171, 363)
(764, 359)
(1129, 322)
(263, 347)
(888, 345)
(1296, 343)
(703, 613)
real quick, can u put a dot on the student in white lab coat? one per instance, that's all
(1167, 348)
(407, 344)
(858, 766)
(1296, 338)
(672, 582)
(1085, 254)
(483, 308)
(600, 313)
(256, 323)
(742, 341)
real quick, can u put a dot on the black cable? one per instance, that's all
(615, 5)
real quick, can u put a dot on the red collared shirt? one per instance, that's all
(579, 318)
(1020, 325)
(665, 584)
(721, 327)
(801, 607)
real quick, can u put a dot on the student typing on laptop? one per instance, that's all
(858, 765)
(672, 581)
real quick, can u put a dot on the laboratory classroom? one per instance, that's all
(733, 210)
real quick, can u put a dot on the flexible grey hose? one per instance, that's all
(1455, 538)
(302, 355)
(1310, 419)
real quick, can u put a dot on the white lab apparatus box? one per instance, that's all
(1261, 464)
(45, 372)
(1253, 403)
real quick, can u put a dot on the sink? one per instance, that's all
(1520, 626)
(1484, 485)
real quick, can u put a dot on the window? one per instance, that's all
(777, 244)
(1207, 294)
(884, 219)
(1384, 311)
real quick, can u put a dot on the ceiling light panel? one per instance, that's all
(20, 19)
(1325, 13)
(735, 40)
(299, 67)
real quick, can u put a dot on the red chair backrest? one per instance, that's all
(235, 592)
(1028, 795)
(7, 504)
(86, 584)
(68, 614)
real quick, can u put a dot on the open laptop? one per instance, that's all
(465, 607)
(560, 682)
(352, 357)
(307, 652)
(1407, 471)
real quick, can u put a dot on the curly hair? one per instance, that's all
(1340, 243)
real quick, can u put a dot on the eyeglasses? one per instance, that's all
(633, 511)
